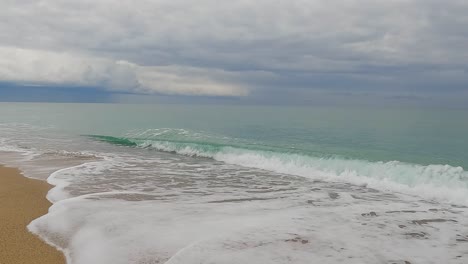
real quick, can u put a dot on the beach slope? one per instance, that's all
(21, 201)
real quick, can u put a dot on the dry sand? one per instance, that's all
(21, 201)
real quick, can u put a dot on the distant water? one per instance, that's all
(244, 184)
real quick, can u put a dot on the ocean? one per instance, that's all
(245, 184)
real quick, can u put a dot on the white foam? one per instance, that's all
(441, 182)
(104, 228)
(62, 178)
(300, 224)
(278, 231)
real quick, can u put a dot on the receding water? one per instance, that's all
(233, 184)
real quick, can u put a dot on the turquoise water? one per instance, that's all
(420, 136)
(194, 184)
(411, 147)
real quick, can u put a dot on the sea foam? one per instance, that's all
(442, 182)
(192, 203)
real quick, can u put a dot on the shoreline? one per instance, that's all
(21, 201)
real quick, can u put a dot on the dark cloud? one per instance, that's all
(236, 48)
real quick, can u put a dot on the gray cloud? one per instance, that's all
(229, 48)
(60, 68)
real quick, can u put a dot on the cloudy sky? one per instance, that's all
(299, 51)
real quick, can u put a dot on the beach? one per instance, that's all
(21, 201)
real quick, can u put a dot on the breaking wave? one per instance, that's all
(433, 181)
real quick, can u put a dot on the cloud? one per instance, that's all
(232, 47)
(47, 67)
(35, 66)
(186, 81)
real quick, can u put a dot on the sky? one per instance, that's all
(257, 51)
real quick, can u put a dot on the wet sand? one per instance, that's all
(21, 201)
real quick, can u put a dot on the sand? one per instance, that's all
(21, 201)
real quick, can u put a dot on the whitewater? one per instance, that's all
(174, 193)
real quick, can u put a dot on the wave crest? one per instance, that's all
(432, 181)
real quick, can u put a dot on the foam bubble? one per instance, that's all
(441, 182)
(92, 229)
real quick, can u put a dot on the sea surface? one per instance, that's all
(245, 184)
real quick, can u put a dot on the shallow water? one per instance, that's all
(144, 184)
